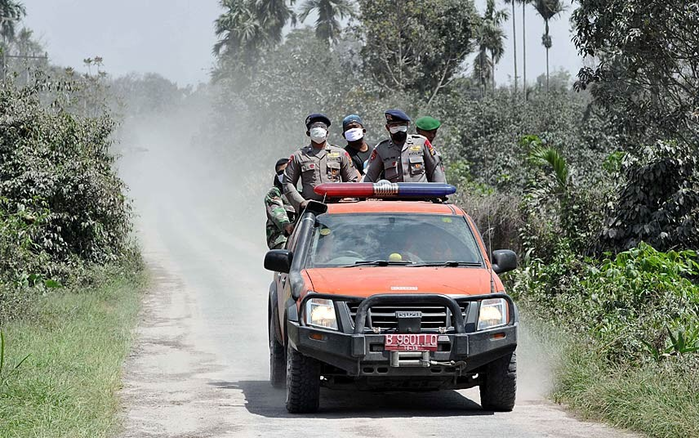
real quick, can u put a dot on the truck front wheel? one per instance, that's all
(499, 386)
(302, 382)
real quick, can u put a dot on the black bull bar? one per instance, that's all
(358, 338)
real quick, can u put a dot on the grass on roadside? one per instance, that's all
(77, 342)
(658, 399)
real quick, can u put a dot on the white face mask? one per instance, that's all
(397, 129)
(319, 135)
(280, 177)
(354, 134)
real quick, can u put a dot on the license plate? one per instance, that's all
(411, 342)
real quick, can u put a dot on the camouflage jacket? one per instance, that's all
(280, 213)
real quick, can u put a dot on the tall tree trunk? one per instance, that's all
(524, 50)
(547, 69)
(547, 56)
(483, 83)
(514, 41)
(492, 70)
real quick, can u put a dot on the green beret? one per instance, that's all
(427, 123)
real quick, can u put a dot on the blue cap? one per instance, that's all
(396, 115)
(352, 118)
(311, 119)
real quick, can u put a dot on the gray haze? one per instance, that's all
(170, 37)
(175, 37)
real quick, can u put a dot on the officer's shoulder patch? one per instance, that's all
(373, 154)
(430, 147)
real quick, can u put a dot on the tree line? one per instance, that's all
(248, 27)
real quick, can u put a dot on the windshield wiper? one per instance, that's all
(448, 264)
(381, 263)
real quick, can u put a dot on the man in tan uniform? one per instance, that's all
(316, 164)
(404, 158)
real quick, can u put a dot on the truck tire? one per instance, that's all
(277, 359)
(499, 386)
(302, 382)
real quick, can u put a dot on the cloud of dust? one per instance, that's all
(538, 357)
(176, 165)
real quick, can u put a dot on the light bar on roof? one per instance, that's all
(385, 190)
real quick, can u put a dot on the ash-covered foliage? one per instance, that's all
(62, 206)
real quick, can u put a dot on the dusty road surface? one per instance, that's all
(199, 367)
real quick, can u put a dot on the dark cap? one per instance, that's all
(317, 118)
(281, 162)
(352, 118)
(427, 123)
(396, 115)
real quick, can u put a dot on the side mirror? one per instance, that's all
(316, 207)
(279, 260)
(504, 260)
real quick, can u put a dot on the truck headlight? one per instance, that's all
(321, 313)
(493, 313)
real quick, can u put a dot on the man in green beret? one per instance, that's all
(427, 127)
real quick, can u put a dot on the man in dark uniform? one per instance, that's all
(357, 148)
(404, 157)
(315, 164)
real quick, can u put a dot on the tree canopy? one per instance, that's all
(416, 45)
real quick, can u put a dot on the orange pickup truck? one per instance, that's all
(394, 292)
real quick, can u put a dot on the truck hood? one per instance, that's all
(366, 281)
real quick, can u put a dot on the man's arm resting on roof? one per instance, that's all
(375, 166)
(291, 178)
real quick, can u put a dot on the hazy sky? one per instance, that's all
(175, 37)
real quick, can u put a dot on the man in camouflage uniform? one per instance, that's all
(403, 157)
(315, 164)
(280, 212)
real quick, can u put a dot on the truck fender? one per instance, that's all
(273, 312)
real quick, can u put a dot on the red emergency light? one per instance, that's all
(385, 190)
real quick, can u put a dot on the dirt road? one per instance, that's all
(199, 367)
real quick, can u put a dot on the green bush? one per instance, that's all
(62, 206)
(657, 201)
(630, 306)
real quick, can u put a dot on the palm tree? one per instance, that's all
(10, 13)
(514, 37)
(327, 24)
(524, 45)
(482, 68)
(548, 9)
(490, 38)
(239, 29)
(549, 157)
(274, 14)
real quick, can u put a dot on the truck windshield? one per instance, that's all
(393, 239)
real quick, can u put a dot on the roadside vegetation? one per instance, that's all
(593, 178)
(70, 274)
(73, 343)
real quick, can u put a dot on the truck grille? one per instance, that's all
(384, 317)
